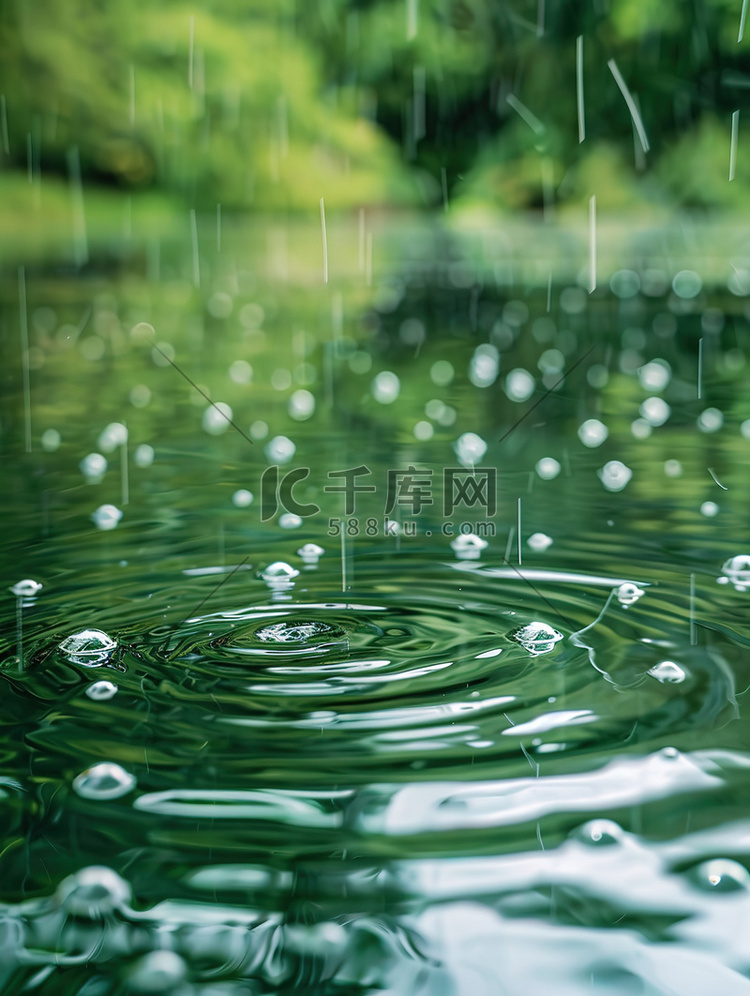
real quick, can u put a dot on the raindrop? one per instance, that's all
(709, 509)
(667, 671)
(548, 468)
(592, 432)
(100, 691)
(280, 449)
(687, 284)
(737, 571)
(673, 468)
(104, 781)
(539, 542)
(89, 647)
(386, 387)
(551, 361)
(26, 588)
(51, 440)
(655, 375)
(140, 396)
(442, 373)
(259, 429)
(469, 448)
(423, 431)
(484, 365)
(614, 475)
(641, 428)
(115, 434)
(573, 300)
(538, 638)
(655, 410)
(710, 420)
(519, 385)
(301, 405)
(106, 517)
(281, 380)
(289, 520)
(93, 467)
(310, 553)
(468, 546)
(242, 498)
(625, 283)
(435, 408)
(219, 305)
(278, 573)
(240, 372)
(628, 593)
(144, 455)
(93, 892)
(216, 418)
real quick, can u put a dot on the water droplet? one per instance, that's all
(592, 432)
(89, 648)
(144, 455)
(614, 475)
(737, 571)
(310, 553)
(219, 305)
(539, 542)
(386, 387)
(423, 431)
(442, 373)
(289, 520)
(51, 440)
(641, 428)
(280, 449)
(100, 691)
(469, 448)
(667, 671)
(655, 375)
(93, 467)
(484, 365)
(628, 593)
(710, 420)
(625, 283)
(93, 892)
(536, 637)
(519, 385)
(468, 546)
(157, 972)
(655, 410)
(26, 588)
(302, 405)
(687, 284)
(240, 372)
(259, 429)
(106, 517)
(279, 576)
(242, 498)
(721, 875)
(673, 468)
(548, 468)
(709, 509)
(115, 434)
(104, 781)
(216, 418)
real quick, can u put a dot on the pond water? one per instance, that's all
(468, 720)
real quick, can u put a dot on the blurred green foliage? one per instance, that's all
(273, 104)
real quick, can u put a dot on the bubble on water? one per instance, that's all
(484, 365)
(51, 440)
(93, 467)
(94, 893)
(655, 410)
(114, 435)
(104, 781)
(289, 520)
(710, 420)
(219, 305)
(667, 671)
(614, 475)
(100, 691)
(106, 517)
(709, 509)
(539, 542)
(468, 546)
(600, 832)
(28, 588)
(157, 972)
(469, 448)
(736, 571)
(216, 418)
(592, 432)
(386, 387)
(625, 283)
(240, 372)
(140, 396)
(687, 284)
(89, 647)
(144, 455)
(537, 637)
(259, 429)
(280, 449)
(423, 431)
(673, 468)
(641, 428)
(310, 553)
(548, 468)
(442, 373)
(302, 405)
(519, 385)
(655, 375)
(279, 574)
(721, 875)
(628, 593)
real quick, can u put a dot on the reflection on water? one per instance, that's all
(252, 748)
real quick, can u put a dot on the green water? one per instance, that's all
(366, 776)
